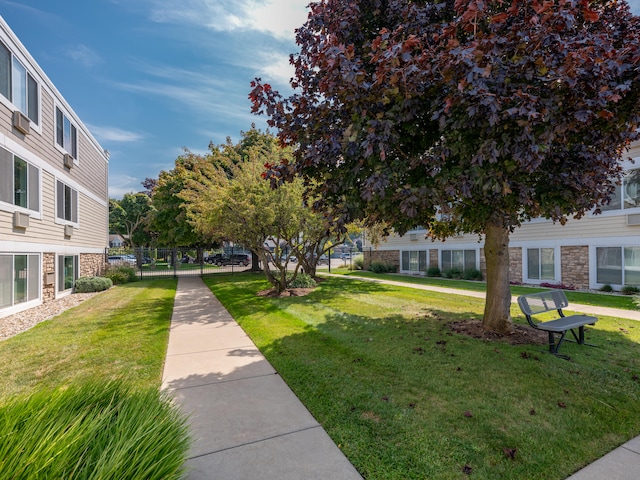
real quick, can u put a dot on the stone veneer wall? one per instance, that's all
(515, 264)
(574, 263)
(48, 266)
(91, 264)
(389, 257)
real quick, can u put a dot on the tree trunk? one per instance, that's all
(497, 317)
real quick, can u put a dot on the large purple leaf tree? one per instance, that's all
(467, 116)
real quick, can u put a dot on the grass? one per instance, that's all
(120, 333)
(406, 398)
(80, 398)
(586, 298)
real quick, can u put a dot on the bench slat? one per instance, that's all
(566, 323)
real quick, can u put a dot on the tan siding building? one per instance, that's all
(591, 252)
(54, 205)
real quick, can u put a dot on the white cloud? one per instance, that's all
(275, 67)
(278, 18)
(121, 184)
(83, 55)
(113, 134)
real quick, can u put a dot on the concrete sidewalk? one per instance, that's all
(245, 421)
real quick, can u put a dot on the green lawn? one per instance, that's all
(120, 333)
(587, 298)
(406, 398)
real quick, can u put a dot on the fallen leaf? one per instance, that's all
(467, 470)
(510, 452)
(532, 412)
(468, 414)
(562, 405)
(385, 399)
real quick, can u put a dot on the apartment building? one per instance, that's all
(53, 186)
(589, 253)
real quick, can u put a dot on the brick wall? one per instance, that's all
(574, 262)
(91, 264)
(388, 257)
(48, 266)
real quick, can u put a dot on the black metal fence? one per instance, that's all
(179, 261)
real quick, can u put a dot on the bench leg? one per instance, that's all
(555, 346)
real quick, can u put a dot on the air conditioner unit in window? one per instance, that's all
(68, 230)
(633, 219)
(20, 220)
(413, 237)
(68, 160)
(21, 122)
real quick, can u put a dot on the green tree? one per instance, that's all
(128, 217)
(231, 201)
(460, 116)
(169, 220)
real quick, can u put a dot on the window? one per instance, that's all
(462, 260)
(541, 263)
(67, 202)
(626, 195)
(414, 261)
(618, 265)
(19, 279)
(19, 182)
(67, 272)
(66, 134)
(18, 86)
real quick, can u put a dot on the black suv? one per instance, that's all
(221, 259)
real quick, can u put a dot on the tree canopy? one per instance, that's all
(460, 116)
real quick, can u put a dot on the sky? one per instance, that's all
(150, 77)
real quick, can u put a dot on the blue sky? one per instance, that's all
(149, 77)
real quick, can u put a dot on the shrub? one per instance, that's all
(302, 280)
(377, 267)
(606, 288)
(93, 430)
(358, 263)
(434, 272)
(630, 290)
(454, 273)
(472, 274)
(121, 274)
(93, 284)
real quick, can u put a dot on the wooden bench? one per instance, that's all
(537, 303)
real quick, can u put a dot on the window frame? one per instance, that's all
(31, 88)
(61, 287)
(540, 278)
(414, 258)
(33, 286)
(621, 257)
(607, 210)
(462, 253)
(63, 187)
(33, 192)
(65, 145)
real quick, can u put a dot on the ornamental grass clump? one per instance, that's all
(93, 430)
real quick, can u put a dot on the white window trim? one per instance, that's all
(37, 127)
(19, 307)
(556, 264)
(58, 106)
(10, 207)
(593, 259)
(62, 221)
(68, 291)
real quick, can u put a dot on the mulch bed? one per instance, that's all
(522, 334)
(289, 292)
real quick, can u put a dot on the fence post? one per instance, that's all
(174, 259)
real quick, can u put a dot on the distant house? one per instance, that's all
(594, 251)
(116, 241)
(53, 186)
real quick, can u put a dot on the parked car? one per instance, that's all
(122, 260)
(234, 259)
(213, 259)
